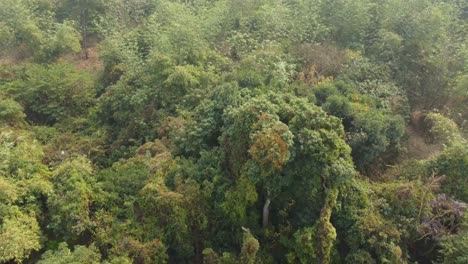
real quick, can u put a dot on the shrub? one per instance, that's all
(53, 92)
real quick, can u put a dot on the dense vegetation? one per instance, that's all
(233, 131)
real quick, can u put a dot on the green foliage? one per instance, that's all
(20, 235)
(210, 256)
(138, 112)
(304, 250)
(24, 179)
(65, 40)
(338, 106)
(123, 181)
(374, 133)
(238, 199)
(454, 247)
(80, 254)
(19, 26)
(306, 22)
(292, 145)
(53, 92)
(423, 58)
(452, 163)
(314, 244)
(70, 203)
(443, 130)
(348, 21)
(11, 112)
(372, 130)
(175, 225)
(364, 220)
(249, 250)
(209, 127)
(326, 232)
(270, 144)
(30, 30)
(388, 97)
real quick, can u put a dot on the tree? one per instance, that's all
(292, 145)
(84, 12)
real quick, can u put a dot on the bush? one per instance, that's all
(339, 106)
(323, 91)
(63, 255)
(373, 134)
(11, 112)
(54, 92)
(453, 163)
(442, 129)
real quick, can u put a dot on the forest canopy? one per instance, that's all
(233, 131)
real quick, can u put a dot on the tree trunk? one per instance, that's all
(84, 31)
(266, 212)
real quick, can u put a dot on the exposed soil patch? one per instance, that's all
(92, 63)
(418, 145)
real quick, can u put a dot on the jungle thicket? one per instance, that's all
(233, 131)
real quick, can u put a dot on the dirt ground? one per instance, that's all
(418, 146)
